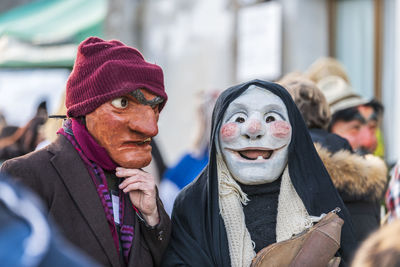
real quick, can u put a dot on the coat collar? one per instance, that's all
(355, 177)
(82, 190)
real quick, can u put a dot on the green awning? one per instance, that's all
(45, 33)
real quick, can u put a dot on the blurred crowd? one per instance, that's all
(345, 129)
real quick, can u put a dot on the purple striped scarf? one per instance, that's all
(87, 148)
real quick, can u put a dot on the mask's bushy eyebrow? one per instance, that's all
(142, 99)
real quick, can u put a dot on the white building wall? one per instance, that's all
(305, 33)
(194, 42)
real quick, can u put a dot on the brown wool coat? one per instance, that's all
(60, 178)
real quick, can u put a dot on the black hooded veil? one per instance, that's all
(198, 233)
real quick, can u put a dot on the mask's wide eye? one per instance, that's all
(120, 102)
(272, 116)
(238, 117)
(269, 119)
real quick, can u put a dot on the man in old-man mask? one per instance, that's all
(91, 177)
(264, 183)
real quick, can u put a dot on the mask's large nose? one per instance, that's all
(146, 124)
(254, 127)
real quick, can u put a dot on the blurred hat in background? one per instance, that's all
(324, 67)
(339, 94)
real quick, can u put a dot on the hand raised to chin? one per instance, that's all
(142, 191)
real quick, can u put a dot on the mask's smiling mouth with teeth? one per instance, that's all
(254, 153)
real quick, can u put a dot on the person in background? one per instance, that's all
(316, 113)
(327, 66)
(353, 118)
(90, 178)
(264, 183)
(360, 180)
(24, 139)
(193, 162)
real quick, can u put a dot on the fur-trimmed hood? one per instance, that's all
(355, 177)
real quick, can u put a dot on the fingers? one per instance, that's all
(135, 174)
(135, 185)
(142, 183)
(142, 191)
(123, 172)
(136, 180)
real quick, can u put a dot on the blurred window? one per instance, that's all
(354, 42)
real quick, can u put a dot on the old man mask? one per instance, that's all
(125, 125)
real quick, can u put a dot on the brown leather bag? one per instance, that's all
(314, 247)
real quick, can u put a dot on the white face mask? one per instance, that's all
(254, 136)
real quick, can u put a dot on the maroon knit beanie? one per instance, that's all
(105, 70)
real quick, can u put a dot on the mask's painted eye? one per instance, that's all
(269, 119)
(238, 117)
(120, 102)
(272, 116)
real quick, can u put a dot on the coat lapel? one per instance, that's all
(79, 184)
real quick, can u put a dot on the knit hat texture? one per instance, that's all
(105, 70)
(339, 94)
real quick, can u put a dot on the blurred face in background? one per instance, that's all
(361, 131)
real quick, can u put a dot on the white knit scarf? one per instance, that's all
(292, 216)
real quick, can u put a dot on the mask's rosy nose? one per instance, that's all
(254, 129)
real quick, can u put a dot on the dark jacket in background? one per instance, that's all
(330, 141)
(58, 175)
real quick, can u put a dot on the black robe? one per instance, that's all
(198, 233)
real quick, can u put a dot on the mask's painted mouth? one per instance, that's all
(145, 141)
(254, 153)
(138, 143)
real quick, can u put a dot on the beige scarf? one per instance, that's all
(292, 216)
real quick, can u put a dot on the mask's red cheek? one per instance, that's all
(229, 132)
(280, 129)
